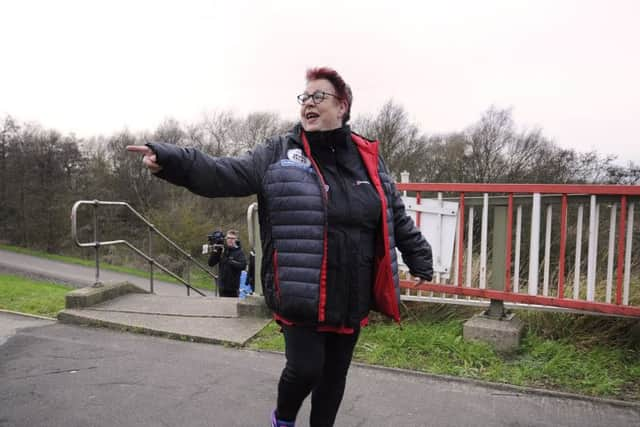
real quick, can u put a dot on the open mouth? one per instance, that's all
(311, 115)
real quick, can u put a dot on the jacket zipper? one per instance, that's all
(347, 193)
(322, 298)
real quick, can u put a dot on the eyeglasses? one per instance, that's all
(317, 97)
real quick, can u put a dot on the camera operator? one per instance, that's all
(232, 262)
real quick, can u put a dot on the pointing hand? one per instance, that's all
(148, 158)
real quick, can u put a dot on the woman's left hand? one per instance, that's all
(419, 281)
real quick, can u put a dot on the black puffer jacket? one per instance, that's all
(293, 220)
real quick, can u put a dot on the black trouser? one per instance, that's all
(225, 292)
(317, 363)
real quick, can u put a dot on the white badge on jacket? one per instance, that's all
(296, 155)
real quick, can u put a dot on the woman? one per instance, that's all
(330, 219)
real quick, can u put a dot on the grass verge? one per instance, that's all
(432, 342)
(31, 296)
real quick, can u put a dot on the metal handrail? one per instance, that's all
(253, 228)
(152, 262)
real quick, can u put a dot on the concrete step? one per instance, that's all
(203, 319)
(171, 305)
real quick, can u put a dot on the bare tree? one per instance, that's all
(443, 159)
(9, 133)
(487, 144)
(170, 131)
(132, 182)
(492, 150)
(401, 144)
(215, 133)
(40, 168)
(42, 171)
(628, 175)
(256, 128)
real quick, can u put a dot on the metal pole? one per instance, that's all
(217, 279)
(150, 262)
(592, 251)
(96, 243)
(404, 178)
(534, 245)
(188, 274)
(499, 260)
(483, 241)
(253, 223)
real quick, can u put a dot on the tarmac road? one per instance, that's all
(53, 374)
(67, 376)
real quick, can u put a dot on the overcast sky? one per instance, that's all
(569, 67)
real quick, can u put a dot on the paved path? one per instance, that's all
(68, 376)
(169, 312)
(77, 275)
(10, 324)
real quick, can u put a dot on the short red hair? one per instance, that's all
(343, 91)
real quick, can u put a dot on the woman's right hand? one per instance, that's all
(148, 157)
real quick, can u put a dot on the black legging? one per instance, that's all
(230, 293)
(317, 363)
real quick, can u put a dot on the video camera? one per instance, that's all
(215, 241)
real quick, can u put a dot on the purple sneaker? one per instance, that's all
(279, 423)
